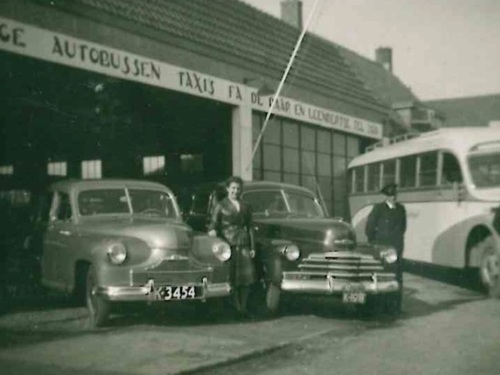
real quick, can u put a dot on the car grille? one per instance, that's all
(179, 271)
(344, 266)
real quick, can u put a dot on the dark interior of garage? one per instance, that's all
(53, 113)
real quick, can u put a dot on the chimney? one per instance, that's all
(291, 13)
(383, 55)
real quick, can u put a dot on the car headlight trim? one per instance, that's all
(291, 252)
(222, 251)
(389, 255)
(117, 253)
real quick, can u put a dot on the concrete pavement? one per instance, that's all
(177, 347)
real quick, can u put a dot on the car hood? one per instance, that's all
(157, 233)
(307, 230)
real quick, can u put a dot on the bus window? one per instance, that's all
(408, 172)
(389, 172)
(373, 177)
(359, 178)
(428, 169)
(451, 172)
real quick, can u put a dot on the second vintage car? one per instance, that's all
(300, 250)
(124, 240)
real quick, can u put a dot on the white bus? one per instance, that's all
(449, 182)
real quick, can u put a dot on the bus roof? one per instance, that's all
(459, 140)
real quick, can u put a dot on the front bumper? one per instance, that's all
(146, 293)
(328, 285)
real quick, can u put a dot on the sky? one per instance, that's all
(441, 48)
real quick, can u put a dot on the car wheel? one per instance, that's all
(489, 268)
(391, 303)
(273, 297)
(97, 307)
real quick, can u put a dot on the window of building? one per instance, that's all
(308, 160)
(57, 168)
(352, 146)
(6, 169)
(291, 178)
(373, 183)
(152, 165)
(408, 172)
(324, 141)
(339, 167)
(339, 144)
(272, 157)
(308, 138)
(291, 160)
(290, 134)
(91, 169)
(451, 172)
(428, 169)
(272, 133)
(324, 165)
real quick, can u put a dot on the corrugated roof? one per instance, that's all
(229, 29)
(468, 111)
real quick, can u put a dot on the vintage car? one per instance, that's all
(124, 240)
(301, 250)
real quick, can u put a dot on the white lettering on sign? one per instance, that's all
(42, 44)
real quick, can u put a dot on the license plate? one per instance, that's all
(354, 297)
(168, 293)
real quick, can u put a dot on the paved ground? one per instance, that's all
(177, 340)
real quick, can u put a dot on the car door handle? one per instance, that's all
(65, 232)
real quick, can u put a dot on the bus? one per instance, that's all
(449, 183)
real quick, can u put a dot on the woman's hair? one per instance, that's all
(234, 179)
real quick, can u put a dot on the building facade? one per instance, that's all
(174, 91)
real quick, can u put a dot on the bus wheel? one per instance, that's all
(489, 268)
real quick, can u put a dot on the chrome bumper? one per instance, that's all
(146, 293)
(332, 286)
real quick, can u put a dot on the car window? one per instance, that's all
(265, 201)
(200, 203)
(303, 205)
(43, 207)
(152, 203)
(63, 209)
(102, 201)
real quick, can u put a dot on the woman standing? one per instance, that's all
(232, 220)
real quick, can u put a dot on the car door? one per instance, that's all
(58, 241)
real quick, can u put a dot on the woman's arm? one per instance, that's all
(214, 223)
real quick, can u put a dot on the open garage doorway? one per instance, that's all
(58, 122)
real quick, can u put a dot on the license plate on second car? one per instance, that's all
(354, 297)
(183, 292)
(354, 293)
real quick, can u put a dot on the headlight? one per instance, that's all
(389, 255)
(117, 253)
(222, 251)
(291, 252)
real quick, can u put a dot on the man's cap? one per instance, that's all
(389, 190)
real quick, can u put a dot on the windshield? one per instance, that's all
(277, 202)
(302, 204)
(485, 170)
(115, 201)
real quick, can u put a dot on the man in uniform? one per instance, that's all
(386, 225)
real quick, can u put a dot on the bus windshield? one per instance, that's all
(485, 170)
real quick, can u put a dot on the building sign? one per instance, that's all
(42, 44)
